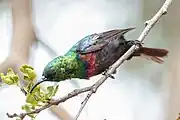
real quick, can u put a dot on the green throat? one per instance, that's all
(65, 67)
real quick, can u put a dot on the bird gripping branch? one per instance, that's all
(94, 54)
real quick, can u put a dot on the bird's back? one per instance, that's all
(99, 51)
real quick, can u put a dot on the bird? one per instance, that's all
(94, 54)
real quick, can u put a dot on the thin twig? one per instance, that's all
(92, 89)
(83, 104)
(53, 102)
(149, 24)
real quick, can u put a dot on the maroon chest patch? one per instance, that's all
(91, 60)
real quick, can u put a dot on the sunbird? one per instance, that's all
(94, 54)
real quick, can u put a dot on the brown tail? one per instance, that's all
(154, 54)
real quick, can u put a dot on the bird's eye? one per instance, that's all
(49, 74)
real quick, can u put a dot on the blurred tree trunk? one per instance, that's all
(23, 33)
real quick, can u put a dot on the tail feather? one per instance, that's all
(153, 51)
(154, 54)
(153, 58)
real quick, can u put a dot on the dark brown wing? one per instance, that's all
(96, 42)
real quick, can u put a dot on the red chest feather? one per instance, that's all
(91, 60)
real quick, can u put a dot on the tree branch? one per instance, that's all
(92, 89)
(52, 102)
(149, 24)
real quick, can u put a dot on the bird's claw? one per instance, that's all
(114, 72)
(111, 76)
(137, 42)
(108, 75)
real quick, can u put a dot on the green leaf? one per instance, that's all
(30, 85)
(31, 73)
(55, 90)
(26, 108)
(33, 107)
(29, 108)
(50, 89)
(32, 116)
(37, 97)
(31, 99)
(28, 72)
(24, 66)
(10, 78)
(51, 92)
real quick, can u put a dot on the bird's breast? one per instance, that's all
(90, 58)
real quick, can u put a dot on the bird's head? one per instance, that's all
(54, 69)
(50, 72)
(61, 68)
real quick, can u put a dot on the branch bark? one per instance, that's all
(92, 89)
(149, 24)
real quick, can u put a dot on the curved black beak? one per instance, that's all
(43, 80)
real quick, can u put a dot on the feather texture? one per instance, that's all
(154, 54)
(94, 54)
(153, 51)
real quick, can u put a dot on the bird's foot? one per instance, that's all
(114, 72)
(111, 76)
(104, 73)
(137, 42)
(107, 74)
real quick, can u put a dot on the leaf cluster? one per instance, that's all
(35, 99)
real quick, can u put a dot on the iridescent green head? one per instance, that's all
(50, 70)
(62, 68)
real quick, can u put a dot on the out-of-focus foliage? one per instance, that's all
(35, 99)
(10, 78)
(28, 71)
